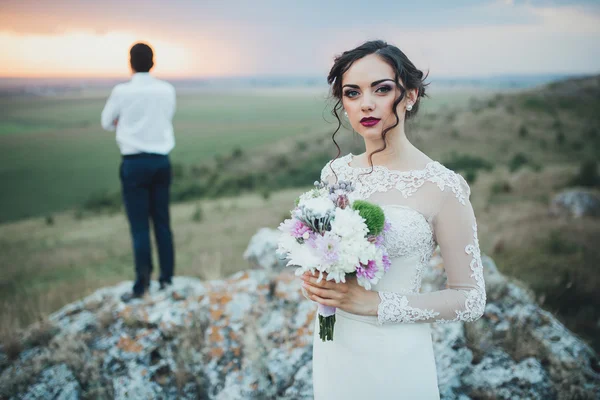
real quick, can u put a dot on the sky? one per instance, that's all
(208, 38)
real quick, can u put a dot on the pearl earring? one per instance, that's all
(409, 107)
(345, 114)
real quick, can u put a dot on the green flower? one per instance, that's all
(373, 215)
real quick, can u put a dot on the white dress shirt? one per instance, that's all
(144, 107)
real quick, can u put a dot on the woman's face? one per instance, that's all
(368, 95)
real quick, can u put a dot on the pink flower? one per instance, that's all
(298, 229)
(367, 271)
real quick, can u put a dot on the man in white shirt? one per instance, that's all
(141, 111)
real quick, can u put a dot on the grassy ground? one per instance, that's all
(50, 261)
(46, 266)
(54, 155)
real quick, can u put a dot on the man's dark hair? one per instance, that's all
(141, 57)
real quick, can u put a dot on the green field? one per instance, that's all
(54, 155)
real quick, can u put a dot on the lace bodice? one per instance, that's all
(426, 207)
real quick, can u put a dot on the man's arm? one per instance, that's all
(110, 114)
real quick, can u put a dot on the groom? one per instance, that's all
(141, 111)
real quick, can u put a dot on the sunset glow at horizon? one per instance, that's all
(85, 54)
(68, 38)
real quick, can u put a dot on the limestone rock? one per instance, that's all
(250, 337)
(576, 203)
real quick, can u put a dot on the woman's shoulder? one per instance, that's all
(335, 164)
(446, 177)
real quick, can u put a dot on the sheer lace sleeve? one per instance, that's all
(464, 299)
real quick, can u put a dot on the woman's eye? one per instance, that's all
(383, 89)
(350, 93)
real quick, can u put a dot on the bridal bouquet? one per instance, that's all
(328, 233)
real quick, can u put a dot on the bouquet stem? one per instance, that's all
(326, 325)
(326, 322)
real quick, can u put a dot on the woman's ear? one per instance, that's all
(413, 95)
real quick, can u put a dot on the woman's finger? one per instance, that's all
(325, 302)
(323, 283)
(324, 293)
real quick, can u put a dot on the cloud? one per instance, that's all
(463, 37)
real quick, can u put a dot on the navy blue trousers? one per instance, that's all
(145, 183)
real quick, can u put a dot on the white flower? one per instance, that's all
(312, 194)
(320, 206)
(348, 223)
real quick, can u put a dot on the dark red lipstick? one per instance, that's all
(370, 121)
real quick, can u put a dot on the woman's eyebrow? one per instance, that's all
(372, 84)
(381, 80)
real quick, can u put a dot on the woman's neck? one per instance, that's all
(398, 152)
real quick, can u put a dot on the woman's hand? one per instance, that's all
(349, 296)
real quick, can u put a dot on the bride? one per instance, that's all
(382, 347)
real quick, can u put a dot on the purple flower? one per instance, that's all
(378, 240)
(342, 201)
(386, 262)
(367, 271)
(386, 226)
(327, 246)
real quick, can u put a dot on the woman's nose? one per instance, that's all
(367, 104)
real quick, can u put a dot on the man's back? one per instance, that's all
(144, 107)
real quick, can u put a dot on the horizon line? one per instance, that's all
(311, 76)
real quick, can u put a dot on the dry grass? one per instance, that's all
(47, 267)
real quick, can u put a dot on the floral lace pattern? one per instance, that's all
(414, 235)
(383, 179)
(394, 308)
(476, 298)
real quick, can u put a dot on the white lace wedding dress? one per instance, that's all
(390, 356)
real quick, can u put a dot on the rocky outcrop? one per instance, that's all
(250, 337)
(576, 203)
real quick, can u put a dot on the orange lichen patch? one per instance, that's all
(216, 352)
(287, 277)
(129, 345)
(144, 372)
(220, 298)
(301, 331)
(177, 296)
(282, 294)
(142, 334)
(243, 277)
(254, 386)
(236, 351)
(216, 314)
(233, 335)
(310, 317)
(215, 335)
(262, 287)
(125, 312)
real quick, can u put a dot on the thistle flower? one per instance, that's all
(373, 215)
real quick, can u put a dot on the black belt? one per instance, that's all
(143, 155)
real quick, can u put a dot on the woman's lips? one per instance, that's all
(370, 121)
